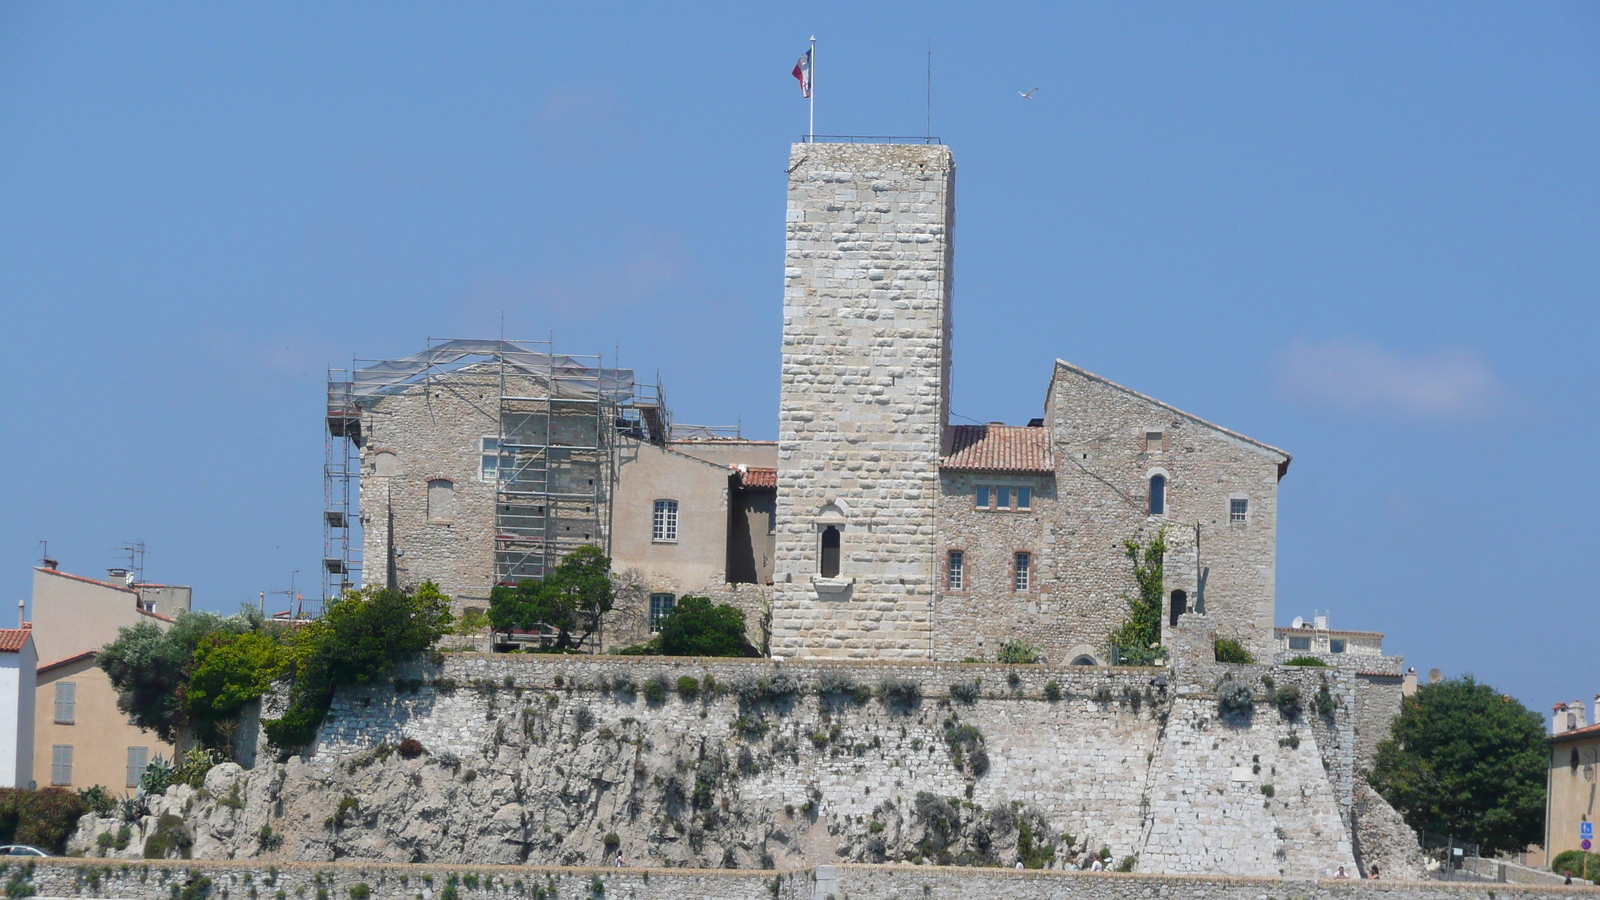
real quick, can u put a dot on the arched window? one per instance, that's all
(1158, 494)
(1180, 605)
(1084, 661)
(441, 496)
(830, 552)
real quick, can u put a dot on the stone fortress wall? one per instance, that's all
(536, 760)
(864, 396)
(154, 880)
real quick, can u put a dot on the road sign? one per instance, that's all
(1587, 844)
(1586, 831)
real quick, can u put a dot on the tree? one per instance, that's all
(359, 639)
(228, 671)
(1139, 636)
(1463, 760)
(572, 599)
(148, 667)
(696, 628)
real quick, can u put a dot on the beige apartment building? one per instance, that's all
(80, 737)
(1574, 776)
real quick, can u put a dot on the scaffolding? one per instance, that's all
(559, 420)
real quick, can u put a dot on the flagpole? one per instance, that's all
(811, 138)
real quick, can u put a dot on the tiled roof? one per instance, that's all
(997, 448)
(157, 616)
(758, 478)
(1589, 731)
(107, 584)
(87, 654)
(12, 639)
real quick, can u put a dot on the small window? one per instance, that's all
(980, 497)
(138, 761)
(1238, 509)
(955, 571)
(1336, 646)
(1024, 498)
(660, 607)
(1021, 569)
(664, 526)
(441, 500)
(66, 703)
(61, 764)
(1299, 643)
(830, 552)
(1180, 605)
(1158, 494)
(1155, 441)
(489, 463)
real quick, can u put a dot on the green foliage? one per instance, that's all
(966, 747)
(1052, 690)
(1234, 698)
(360, 891)
(171, 836)
(228, 671)
(341, 813)
(98, 799)
(1306, 661)
(194, 766)
(896, 691)
(148, 667)
(19, 886)
(651, 647)
(837, 686)
(1577, 862)
(1017, 652)
(359, 639)
(1228, 650)
(1462, 759)
(1138, 638)
(1325, 704)
(965, 691)
(1127, 864)
(1268, 790)
(656, 687)
(572, 599)
(158, 775)
(473, 622)
(688, 687)
(198, 887)
(696, 628)
(1287, 700)
(44, 818)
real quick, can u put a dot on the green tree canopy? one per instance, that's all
(148, 667)
(696, 628)
(572, 599)
(1464, 760)
(228, 671)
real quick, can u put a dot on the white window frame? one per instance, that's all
(489, 450)
(664, 522)
(1304, 638)
(61, 764)
(66, 703)
(1022, 571)
(659, 616)
(1243, 519)
(138, 761)
(955, 570)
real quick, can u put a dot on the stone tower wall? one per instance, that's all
(864, 396)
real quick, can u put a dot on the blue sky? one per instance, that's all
(1365, 233)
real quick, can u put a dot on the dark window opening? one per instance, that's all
(830, 552)
(1180, 605)
(1158, 495)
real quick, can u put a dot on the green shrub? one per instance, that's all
(1573, 861)
(1325, 704)
(1127, 864)
(1017, 652)
(688, 687)
(651, 647)
(573, 598)
(1052, 690)
(1287, 699)
(778, 688)
(965, 691)
(966, 748)
(158, 775)
(1228, 650)
(696, 628)
(837, 685)
(1306, 661)
(341, 813)
(1138, 638)
(44, 818)
(1268, 790)
(99, 800)
(896, 691)
(194, 766)
(360, 891)
(656, 688)
(171, 835)
(1234, 699)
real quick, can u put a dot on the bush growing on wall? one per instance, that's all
(1228, 650)
(44, 818)
(696, 628)
(1234, 698)
(1017, 652)
(1138, 639)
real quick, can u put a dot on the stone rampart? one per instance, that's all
(63, 878)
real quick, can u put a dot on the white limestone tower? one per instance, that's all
(865, 398)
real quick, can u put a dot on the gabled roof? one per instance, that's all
(12, 640)
(997, 448)
(1574, 734)
(105, 584)
(1281, 456)
(76, 657)
(752, 477)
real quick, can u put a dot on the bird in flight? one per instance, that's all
(1028, 95)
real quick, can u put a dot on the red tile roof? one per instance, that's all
(12, 639)
(87, 654)
(759, 478)
(60, 574)
(1588, 731)
(997, 448)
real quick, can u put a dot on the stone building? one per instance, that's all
(485, 462)
(1574, 776)
(900, 535)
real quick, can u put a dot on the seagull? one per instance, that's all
(1028, 95)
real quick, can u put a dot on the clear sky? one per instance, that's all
(1365, 233)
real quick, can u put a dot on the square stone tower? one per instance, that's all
(864, 400)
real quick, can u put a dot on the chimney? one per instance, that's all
(51, 564)
(22, 619)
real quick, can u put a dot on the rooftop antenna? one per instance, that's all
(135, 553)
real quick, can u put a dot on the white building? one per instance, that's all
(18, 663)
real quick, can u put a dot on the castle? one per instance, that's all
(875, 528)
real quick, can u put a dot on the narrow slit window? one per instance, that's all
(1023, 569)
(955, 574)
(664, 527)
(830, 552)
(1180, 604)
(1158, 495)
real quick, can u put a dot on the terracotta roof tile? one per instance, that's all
(12, 639)
(997, 448)
(87, 654)
(759, 478)
(1587, 731)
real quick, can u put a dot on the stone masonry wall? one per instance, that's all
(61, 878)
(864, 396)
(1102, 477)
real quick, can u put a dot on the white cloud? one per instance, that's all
(1361, 376)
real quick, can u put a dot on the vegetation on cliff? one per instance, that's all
(1137, 641)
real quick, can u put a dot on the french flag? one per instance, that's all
(802, 74)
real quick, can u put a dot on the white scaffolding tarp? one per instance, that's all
(567, 377)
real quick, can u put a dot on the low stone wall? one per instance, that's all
(66, 878)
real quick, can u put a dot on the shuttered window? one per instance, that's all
(138, 761)
(66, 702)
(61, 764)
